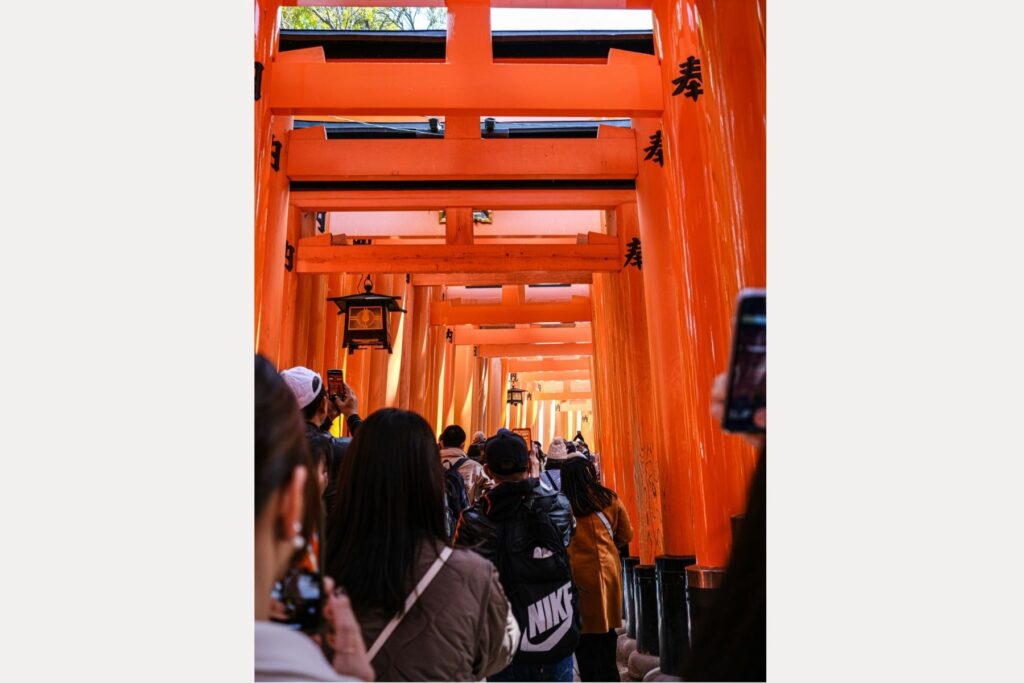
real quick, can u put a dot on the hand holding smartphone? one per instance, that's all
(336, 384)
(745, 403)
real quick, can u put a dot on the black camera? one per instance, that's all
(302, 594)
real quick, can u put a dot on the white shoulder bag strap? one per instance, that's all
(409, 602)
(607, 525)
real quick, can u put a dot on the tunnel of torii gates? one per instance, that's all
(626, 348)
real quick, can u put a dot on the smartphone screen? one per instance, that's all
(336, 383)
(748, 373)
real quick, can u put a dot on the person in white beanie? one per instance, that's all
(557, 455)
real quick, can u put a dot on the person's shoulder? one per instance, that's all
(474, 516)
(282, 654)
(467, 561)
(471, 570)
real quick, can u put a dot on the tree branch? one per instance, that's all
(323, 19)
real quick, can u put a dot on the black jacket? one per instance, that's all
(479, 524)
(353, 422)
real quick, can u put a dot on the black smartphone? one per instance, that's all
(336, 384)
(748, 373)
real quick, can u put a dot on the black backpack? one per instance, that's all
(455, 498)
(537, 578)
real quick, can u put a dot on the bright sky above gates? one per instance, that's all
(515, 19)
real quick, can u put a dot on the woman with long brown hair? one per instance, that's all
(430, 612)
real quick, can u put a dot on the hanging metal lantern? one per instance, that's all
(515, 394)
(367, 318)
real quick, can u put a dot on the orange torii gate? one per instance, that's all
(691, 194)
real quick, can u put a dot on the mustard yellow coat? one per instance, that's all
(596, 568)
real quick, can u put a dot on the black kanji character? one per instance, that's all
(654, 151)
(690, 79)
(633, 254)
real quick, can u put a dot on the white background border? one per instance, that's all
(894, 185)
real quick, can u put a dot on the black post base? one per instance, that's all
(646, 596)
(629, 563)
(673, 618)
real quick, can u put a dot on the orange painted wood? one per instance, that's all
(399, 327)
(527, 335)
(562, 396)
(496, 396)
(394, 200)
(535, 277)
(707, 209)
(448, 159)
(479, 258)
(505, 384)
(647, 441)
(479, 396)
(623, 413)
(379, 359)
(464, 364)
(628, 85)
(446, 313)
(663, 267)
(317, 325)
(448, 377)
(533, 350)
(419, 350)
(555, 375)
(551, 364)
(332, 327)
(356, 376)
(287, 353)
(434, 350)
(458, 228)
(306, 55)
(265, 30)
(512, 295)
(469, 33)
(272, 219)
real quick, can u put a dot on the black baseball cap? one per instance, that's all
(506, 453)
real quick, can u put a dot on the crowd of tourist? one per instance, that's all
(519, 548)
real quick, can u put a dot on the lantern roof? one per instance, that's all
(367, 299)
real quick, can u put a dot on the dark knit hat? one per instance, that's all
(506, 453)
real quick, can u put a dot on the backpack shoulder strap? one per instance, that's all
(409, 602)
(459, 463)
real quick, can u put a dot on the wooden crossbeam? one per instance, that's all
(444, 313)
(562, 396)
(311, 159)
(548, 364)
(528, 335)
(518, 277)
(314, 256)
(628, 85)
(533, 350)
(437, 199)
(554, 376)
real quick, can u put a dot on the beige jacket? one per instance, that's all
(461, 628)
